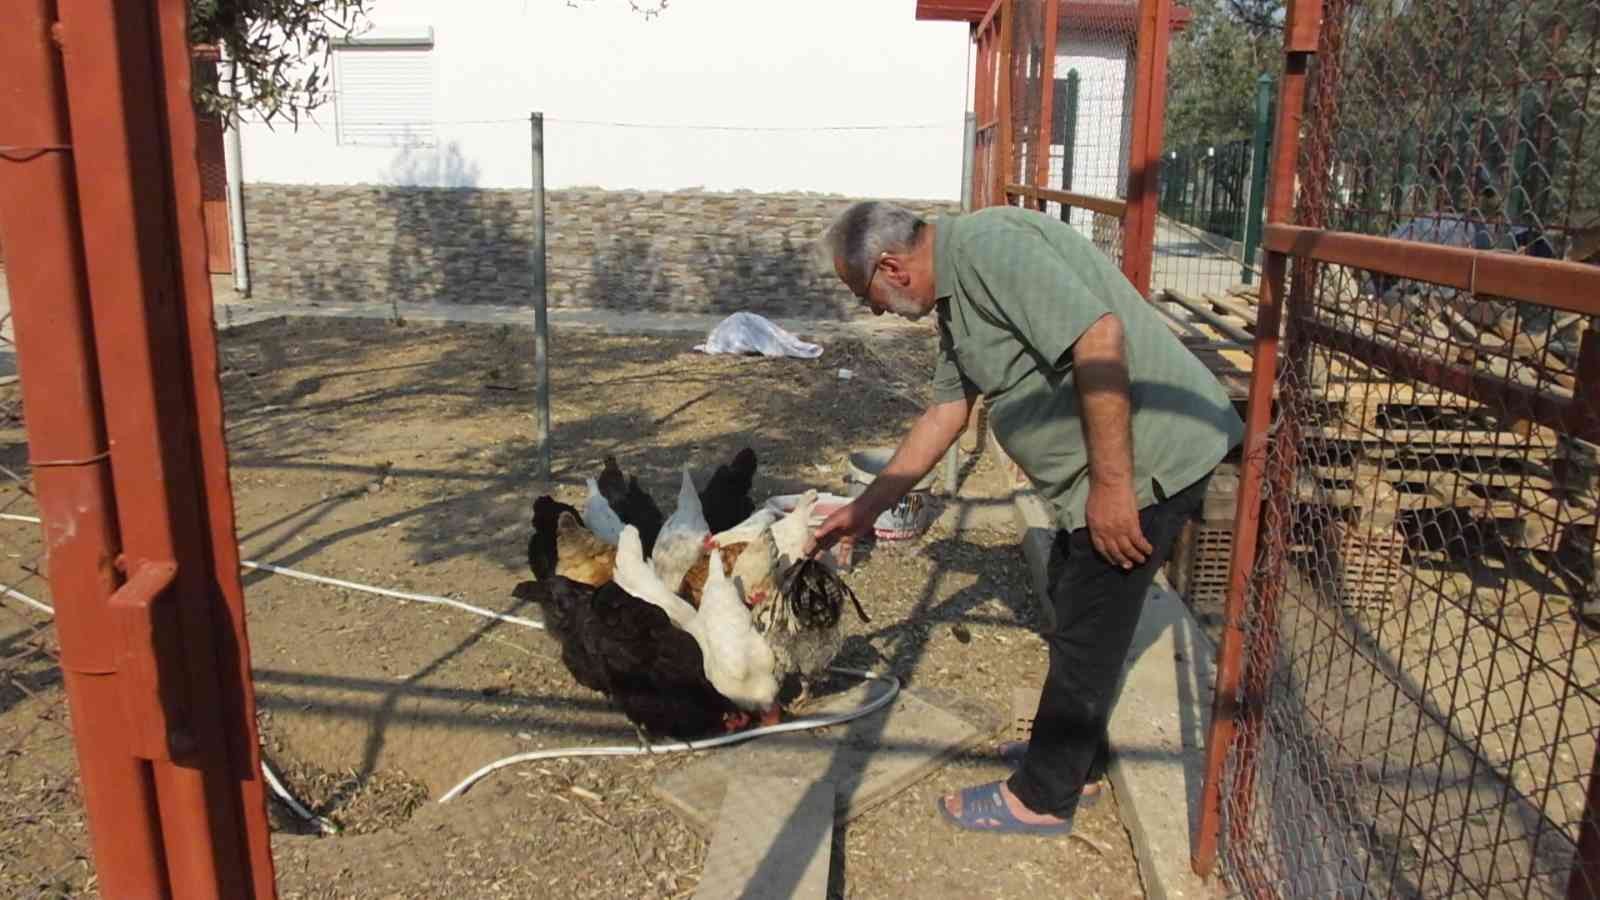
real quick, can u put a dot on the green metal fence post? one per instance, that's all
(1067, 116)
(1258, 176)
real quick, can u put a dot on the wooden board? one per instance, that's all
(772, 841)
(867, 760)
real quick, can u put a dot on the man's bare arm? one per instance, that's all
(1100, 368)
(919, 451)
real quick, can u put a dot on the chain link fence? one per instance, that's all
(1091, 125)
(1421, 678)
(44, 842)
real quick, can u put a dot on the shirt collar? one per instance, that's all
(944, 268)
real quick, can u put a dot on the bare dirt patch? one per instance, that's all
(404, 456)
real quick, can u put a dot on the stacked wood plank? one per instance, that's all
(1445, 473)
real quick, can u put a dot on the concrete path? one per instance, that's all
(1192, 261)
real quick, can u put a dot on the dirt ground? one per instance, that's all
(403, 456)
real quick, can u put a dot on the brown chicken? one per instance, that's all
(694, 581)
(580, 556)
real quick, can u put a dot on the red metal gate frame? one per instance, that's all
(1144, 155)
(1243, 671)
(117, 351)
(995, 158)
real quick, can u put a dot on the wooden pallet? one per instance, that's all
(1364, 564)
(1368, 567)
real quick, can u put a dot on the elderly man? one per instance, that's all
(1115, 422)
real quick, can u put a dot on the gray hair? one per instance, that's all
(866, 231)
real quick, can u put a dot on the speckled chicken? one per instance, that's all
(801, 616)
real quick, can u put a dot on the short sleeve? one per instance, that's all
(1032, 284)
(949, 384)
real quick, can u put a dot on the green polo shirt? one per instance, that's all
(1015, 290)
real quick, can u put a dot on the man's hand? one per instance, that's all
(933, 433)
(1113, 520)
(839, 531)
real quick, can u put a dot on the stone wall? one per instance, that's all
(686, 251)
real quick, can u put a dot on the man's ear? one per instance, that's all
(896, 270)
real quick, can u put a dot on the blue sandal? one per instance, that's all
(1011, 753)
(984, 809)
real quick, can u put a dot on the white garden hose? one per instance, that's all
(328, 827)
(386, 592)
(323, 825)
(867, 708)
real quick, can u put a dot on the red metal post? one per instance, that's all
(67, 443)
(1144, 158)
(127, 77)
(1226, 711)
(1052, 25)
(1584, 883)
(1003, 160)
(237, 696)
(983, 110)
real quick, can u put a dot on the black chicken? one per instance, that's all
(627, 649)
(542, 544)
(726, 498)
(630, 502)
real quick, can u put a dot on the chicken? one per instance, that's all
(726, 499)
(682, 536)
(694, 581)
(599, 516)
(627, 649)
(542, 544)
(738, 663)
(742, 533)
(630, 502)
(801, 618)
(754, 574)
(580, 554)
(792, 531)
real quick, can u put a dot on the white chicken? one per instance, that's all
(759, 521)
(738, 663)
(599, 517)
(682, 537)
(793, 530)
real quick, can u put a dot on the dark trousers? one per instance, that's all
(1096, 608)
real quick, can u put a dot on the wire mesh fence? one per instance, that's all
(1207, 187)
(1422, 670)
(1092, 121)
(1030, 70)
(43, 837)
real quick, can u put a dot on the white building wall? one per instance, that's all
(718, 62)
(1105, 115)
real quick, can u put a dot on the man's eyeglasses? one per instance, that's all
(866, 292)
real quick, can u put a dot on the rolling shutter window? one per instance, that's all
(384, 96)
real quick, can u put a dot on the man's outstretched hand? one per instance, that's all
(839, 531)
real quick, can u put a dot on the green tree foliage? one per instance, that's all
(281, 49)
(1213, 67)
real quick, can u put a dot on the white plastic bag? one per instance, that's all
(746, 332)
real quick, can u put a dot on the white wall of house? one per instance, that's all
(1105, 114)
(750, 63)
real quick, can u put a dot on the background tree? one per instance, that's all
(281, 51)
(1213, 67)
